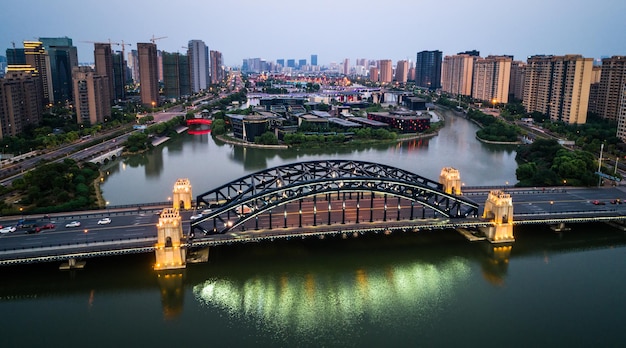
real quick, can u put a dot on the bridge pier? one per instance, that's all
(72, 263)
(451, 180)
(499, 209)
(560, 227)
(182, 194)
(169, 252)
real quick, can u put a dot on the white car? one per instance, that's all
(7, 229)
(207, 211)
(73, 224)
(104, 221)
(195, 217)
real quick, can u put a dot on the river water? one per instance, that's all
(407, 289)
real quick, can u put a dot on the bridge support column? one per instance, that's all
(499, 210)
(451, 180)
(182, 193)
(168, 250)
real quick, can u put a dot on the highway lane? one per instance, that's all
(133, 224)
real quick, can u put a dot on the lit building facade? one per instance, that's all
(558, 87)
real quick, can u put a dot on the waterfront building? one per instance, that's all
(516, 84)
(403, 121)
(176, 75)
(491, 79)
(63, 58)
(558, 87)
(20, 102)
(199, 62)
(428, 69)
(103, 58)
(148, 74)
(92, 100)
(248, 127)
(457, 73)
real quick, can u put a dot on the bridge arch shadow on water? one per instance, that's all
(354, 187)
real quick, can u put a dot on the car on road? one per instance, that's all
(47, 226)
(104, 221)
(207, 211)
(195, 217)
(7, 229)
(597, 202)
(617, 201)
(73, 224)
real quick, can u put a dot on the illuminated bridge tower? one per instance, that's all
(182, 194)
(168, 250)
(451, 180)
(499, 209)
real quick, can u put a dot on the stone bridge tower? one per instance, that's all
(451, 180)
(168, 250)
(499, 209)
(182, 194)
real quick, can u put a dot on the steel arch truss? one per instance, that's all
(248, 197)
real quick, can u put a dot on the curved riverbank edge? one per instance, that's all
(232, 141)
(498, 142)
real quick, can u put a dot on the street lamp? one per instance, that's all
(85, 233)
(551, 203)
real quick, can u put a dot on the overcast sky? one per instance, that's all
(332, 29)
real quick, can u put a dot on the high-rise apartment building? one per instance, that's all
(609, 93)
(20, 102)
(217, 67)
(103, 57)
(346, 66)
(16, 56)
(314, 59)
(280, 62)
(63, 58)
(491, 79)
(3, 65)
(37, 57)
(428, 69)
(516, 86)
(92, 101)
(148, 74)
(457, 73)
(133, 62)
(386, 71)
(199, 58)
(120, 72)
(176, 75)
(374, 74)
(402, 71)
(558, 87)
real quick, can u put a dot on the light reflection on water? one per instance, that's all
(312, 304)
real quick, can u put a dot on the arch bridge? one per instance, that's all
(296, 189)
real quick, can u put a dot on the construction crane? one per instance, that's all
(157, 38)
(123, 44)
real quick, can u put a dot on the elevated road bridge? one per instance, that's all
(308, 199)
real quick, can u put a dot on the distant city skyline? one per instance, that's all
(332, 30)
